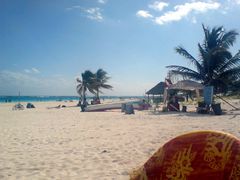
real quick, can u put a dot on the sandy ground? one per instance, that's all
(64, 143)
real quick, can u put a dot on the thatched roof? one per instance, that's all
(158, 89)
(186, 85)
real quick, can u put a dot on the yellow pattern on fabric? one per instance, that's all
(159, 155)
(143, 175)
(235, 174)
(218, 150)
(180, 166)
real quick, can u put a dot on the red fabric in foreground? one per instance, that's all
(195, 156)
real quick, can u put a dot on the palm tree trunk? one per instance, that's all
(79, 101)
(84, 101)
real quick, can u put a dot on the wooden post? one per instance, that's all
(197, 94)
(165, 93)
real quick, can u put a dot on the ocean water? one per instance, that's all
(4, 99)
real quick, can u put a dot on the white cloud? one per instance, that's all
(194, 20)
(27, 71)
(94, 14)
(158, 5)
(224, 12)
(235, 1)
(144, 14)
(73, 7)
(102, 1)
(228, 5)
(35, 70)
(32, 70)
(91, 13)
(181, 11)
(29, 84)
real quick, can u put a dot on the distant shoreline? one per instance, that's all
(9, 99)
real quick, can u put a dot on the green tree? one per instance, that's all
(101, 80)
(215, 66)
(86, 84)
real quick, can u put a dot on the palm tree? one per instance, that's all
(87, 83)
(235, 87)
(101, 79)
(215, 66)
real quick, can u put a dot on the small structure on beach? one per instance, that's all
(160, 89)
(157, 90)
(167, 92)
(187, 85)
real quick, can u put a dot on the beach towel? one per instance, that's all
(204, 155)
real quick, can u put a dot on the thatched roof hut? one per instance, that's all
(186, 85)
(157, 90)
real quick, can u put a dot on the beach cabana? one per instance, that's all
(184, 85)
(187, 85)
(156, 90)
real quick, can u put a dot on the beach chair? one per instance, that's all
(202, 155)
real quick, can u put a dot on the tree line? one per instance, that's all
(92, 82)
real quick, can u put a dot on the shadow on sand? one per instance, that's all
(194, 114)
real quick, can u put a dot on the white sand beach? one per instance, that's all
(65, 143)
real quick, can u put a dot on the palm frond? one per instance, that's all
(218, 58)
(79, 86)
(214, 37)
(78, 80)
(106, 86)
(231, 74)
(185, 72)
(180, 50)
(100, 74)
(204, 55)
(91, 90)
(229, 38)
(206, 35)
(80, 90)
(231, 63)
(186, 75)
(101, 79)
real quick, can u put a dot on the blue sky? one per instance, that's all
(46, 44)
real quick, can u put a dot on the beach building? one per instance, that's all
(157, 90)
(187, 85)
